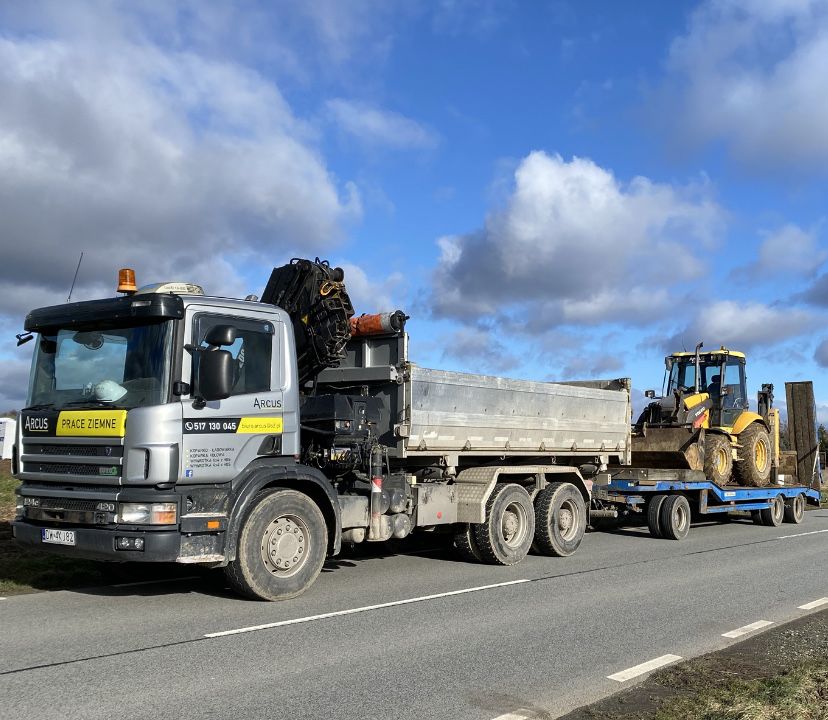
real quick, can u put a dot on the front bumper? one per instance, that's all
(99, 544)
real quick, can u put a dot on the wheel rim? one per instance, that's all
(721, 460)
(778, 508)
(799, 506)
(568, 520)
(285, 545)
(514, 524)
(681, 518)
(760, 454)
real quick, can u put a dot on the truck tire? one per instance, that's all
(465, 544)
(653, 511)
(282, 546)
(674, 517)
(560, 519)
(505, 536)
(773, 515)
(795, 509)
(718, 459)
(754, 467)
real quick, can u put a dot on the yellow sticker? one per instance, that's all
(260, 425)
(91, 423)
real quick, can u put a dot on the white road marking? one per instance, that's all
(364, 608)
(744, 630)
(812, 532)
(814, 604)
(156, 582)
(519, 714)
(646, 667)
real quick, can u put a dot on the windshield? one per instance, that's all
(683, 377)
(114, 367)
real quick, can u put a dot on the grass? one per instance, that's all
(797, 694)
(23, 570)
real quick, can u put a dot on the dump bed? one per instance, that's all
(438, 412)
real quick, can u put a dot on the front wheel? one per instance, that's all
(282, 546)
(773, 515)
(718, 459)
(674, 517)
(505, 536)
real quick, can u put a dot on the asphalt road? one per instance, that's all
(534, 640)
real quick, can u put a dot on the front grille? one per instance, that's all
(109, 471)
(67, 504)
(75, 450)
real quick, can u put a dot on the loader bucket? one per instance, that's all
(680, 448)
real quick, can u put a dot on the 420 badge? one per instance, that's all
(236, 425)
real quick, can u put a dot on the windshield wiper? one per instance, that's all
(95, 403)
(40, 406)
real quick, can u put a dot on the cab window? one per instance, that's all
(251, 351)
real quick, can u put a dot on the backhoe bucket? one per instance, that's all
(681, 448)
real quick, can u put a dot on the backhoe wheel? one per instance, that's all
(754, 467)
(282, 546)
(560, 519)
(465, 544)
(674, 517)
(653, 511)
(504, 538)
(773, 515)
(795, 509)
(718, 459)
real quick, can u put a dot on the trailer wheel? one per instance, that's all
(560, 519)
(505, 536)
(756, 516)
(754, 467)
(282, 546)
(653, 510)
(465, 543)
(674, 517)
(718, 459)
(773, 515)
(795, 509)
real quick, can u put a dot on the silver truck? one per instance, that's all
(259, 435)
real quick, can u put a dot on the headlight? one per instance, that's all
(147, 513)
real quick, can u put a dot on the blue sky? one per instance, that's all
(550, 189)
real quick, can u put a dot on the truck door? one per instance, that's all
(221, 438)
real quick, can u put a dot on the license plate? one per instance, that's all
(57, 537)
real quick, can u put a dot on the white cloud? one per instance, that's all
(752, 74)
(742, 326)
(371, 294)
(573, 244)
(145, 156)
(790, 249)
(478, 350)
(375, 126)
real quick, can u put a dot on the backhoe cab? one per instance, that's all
(703, 420)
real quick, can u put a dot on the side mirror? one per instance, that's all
(215, 374)
(649, 394)
(219, 335)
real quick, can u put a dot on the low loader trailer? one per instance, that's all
(259, 436)
(670, 500)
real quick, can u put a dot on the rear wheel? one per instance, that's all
(674, 517)
(795, 509)
(465, 544)
(653, 511)
(560, 519)
(282, 546)
(773, 515)
(505, 537)
(754, 465)
(718, 459)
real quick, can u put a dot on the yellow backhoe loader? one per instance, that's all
(703, 421)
